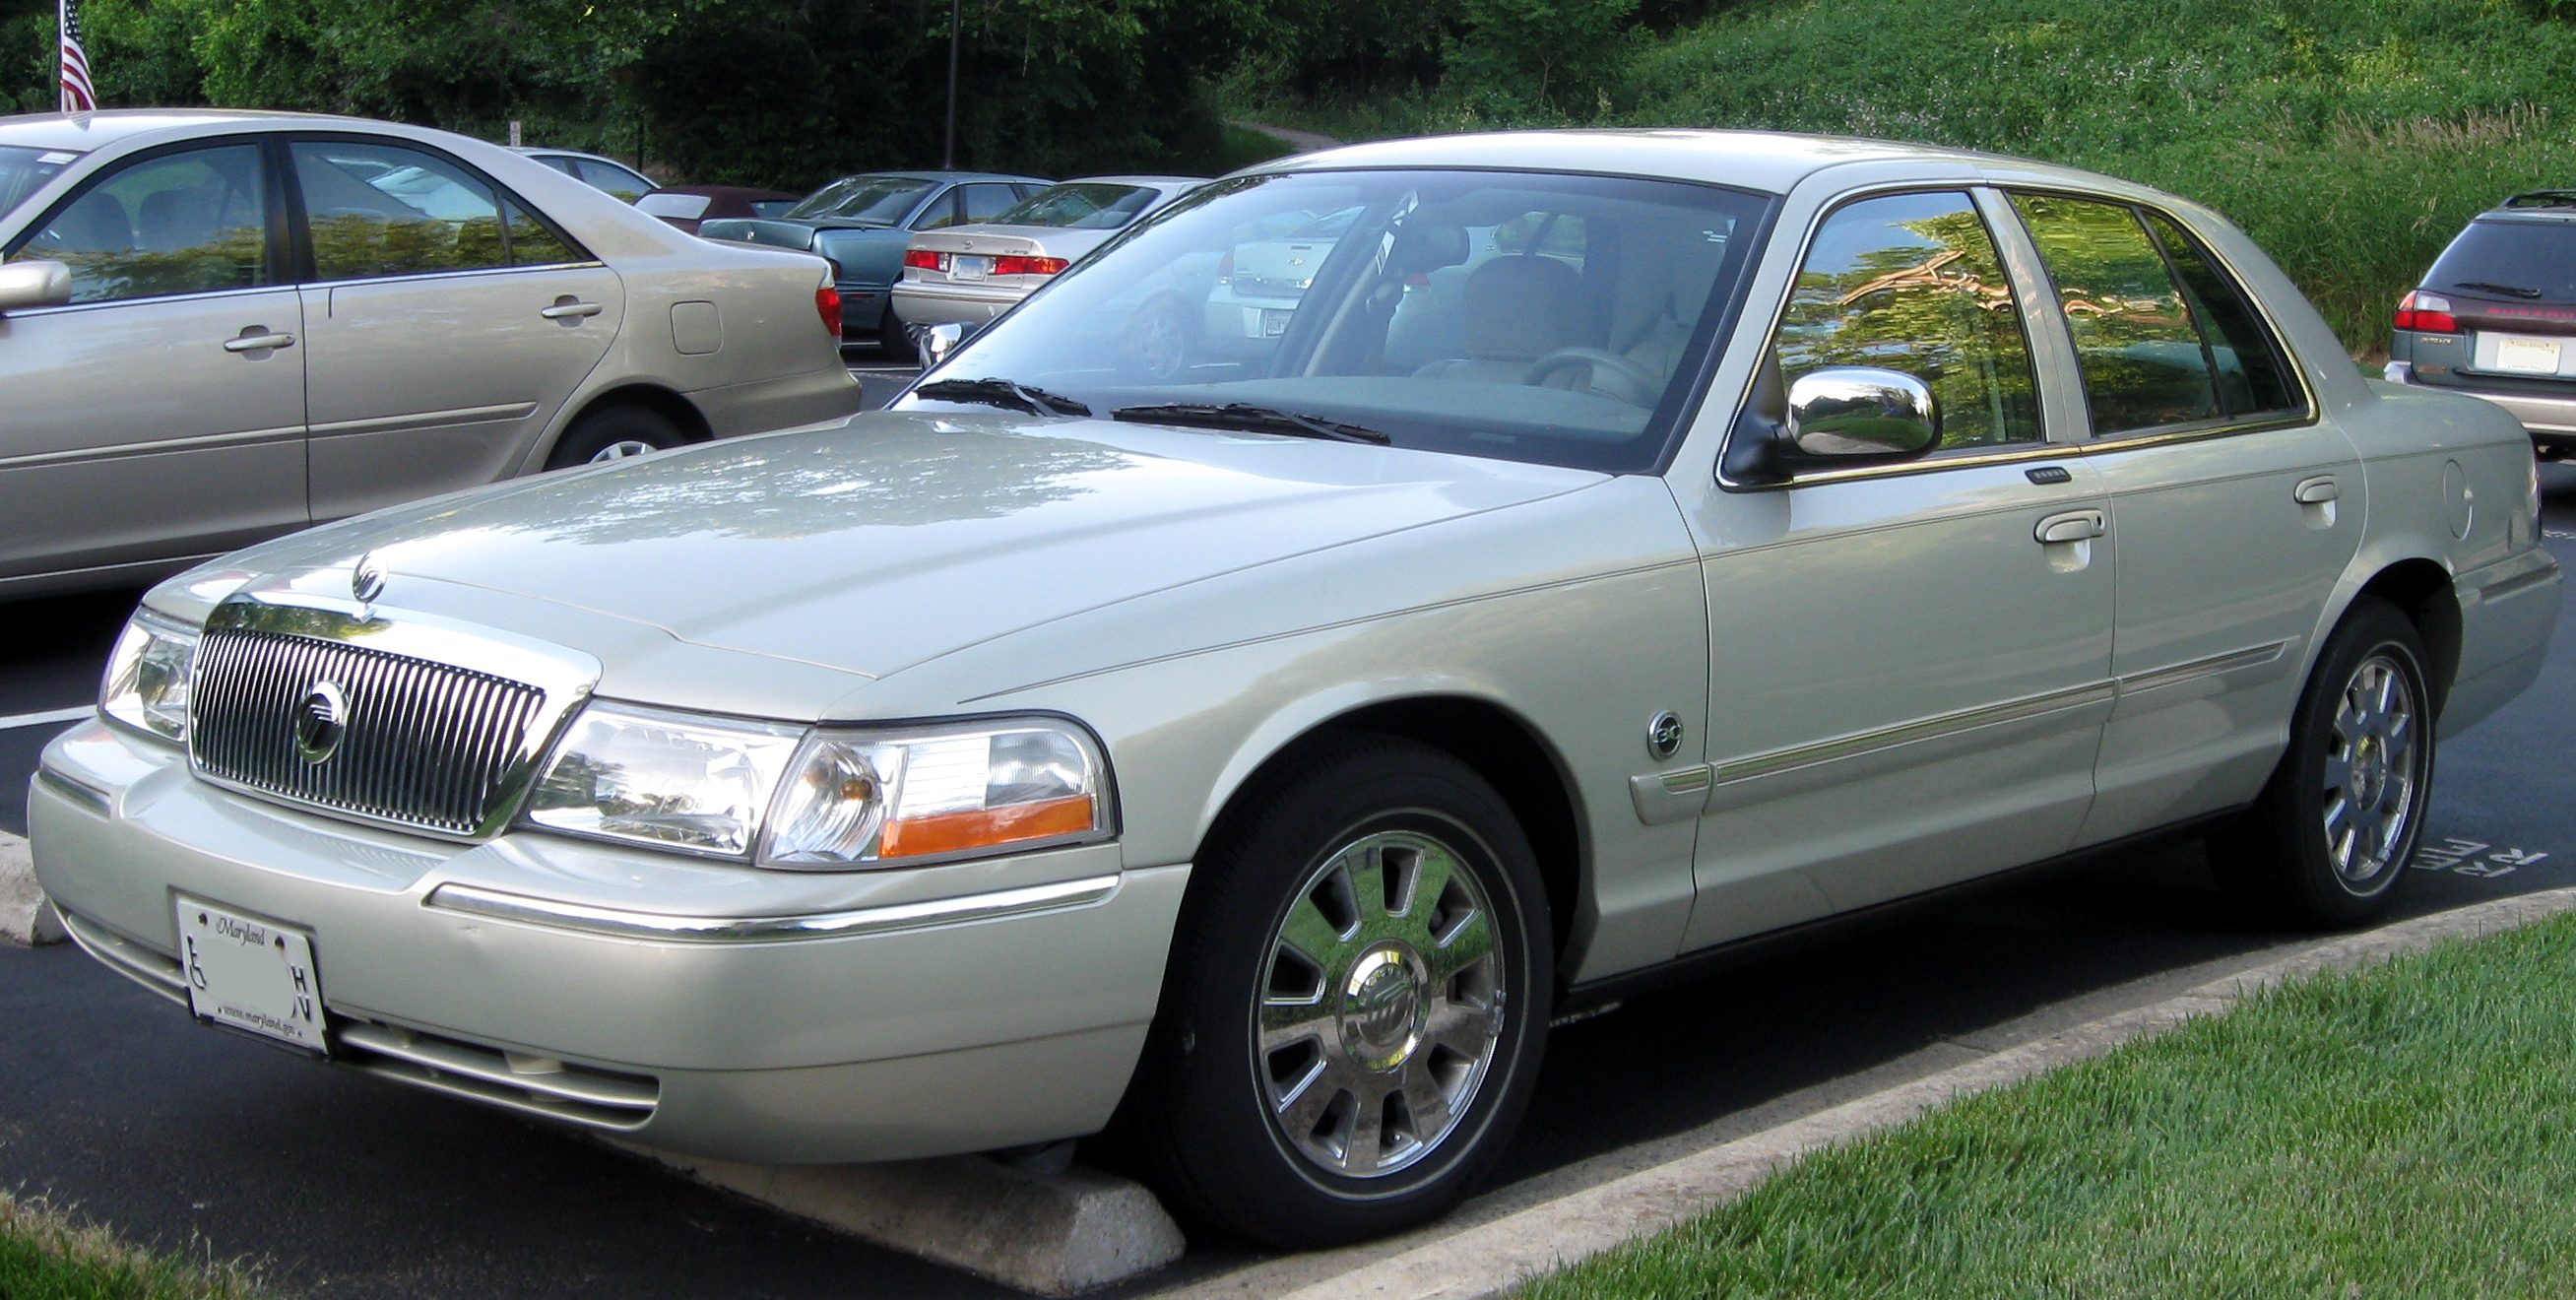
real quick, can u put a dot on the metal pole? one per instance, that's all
(948, 146)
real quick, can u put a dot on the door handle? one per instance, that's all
(2317, 491)
(260, 342)
(569, 309)
(2072, 526)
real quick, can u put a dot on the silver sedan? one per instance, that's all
(216, 327)
(967, 275)
(1630, 547)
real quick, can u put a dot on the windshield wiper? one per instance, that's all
(1254, 419)
(1004, 393)
(2490, 286)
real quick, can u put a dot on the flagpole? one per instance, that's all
(62, 33)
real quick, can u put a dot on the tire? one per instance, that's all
(2326, 845)
(1159, 342)
(613, 433)
(892, 336)
(1387, 1087)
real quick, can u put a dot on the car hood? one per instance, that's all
(897, 538)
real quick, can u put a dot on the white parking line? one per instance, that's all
(10, 722)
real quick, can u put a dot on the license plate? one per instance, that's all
(250, 974)
(1274, 321)
(2527, 356)
(970, 266)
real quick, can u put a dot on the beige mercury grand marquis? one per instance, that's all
(1635, 544)
(216, 327)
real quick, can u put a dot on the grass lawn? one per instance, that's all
(2408, 1130)
(46, 1255)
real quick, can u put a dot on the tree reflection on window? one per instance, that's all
(1911, 283)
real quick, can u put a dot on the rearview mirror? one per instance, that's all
(1860, 413)
(935, 342)
(34, 284)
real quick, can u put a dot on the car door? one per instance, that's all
(2237, 508)
(1909, 661)
(160, 413)
(448, 323)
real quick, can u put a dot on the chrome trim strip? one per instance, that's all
(579, 1085)
(426, 420)
(473, 900)
(1677, 795)
(1783, 760)
(2212, 666)
(2504, 587)
(131, 960)
(98, 799)
(130, 450)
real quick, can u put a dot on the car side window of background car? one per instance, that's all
(940, 213)
(985, 202)
(2145, 363)
(382, 209)
(193, 222)
(611, 179)
(2253, 375)
(1911, 283)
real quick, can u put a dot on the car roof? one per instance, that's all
(88, 131)
(2535, 207)
(724, 191)
(1148, 182)
(935, 175)
(1769, 161)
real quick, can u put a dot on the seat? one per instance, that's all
(1516, 309)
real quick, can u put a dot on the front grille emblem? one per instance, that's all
(321, 718)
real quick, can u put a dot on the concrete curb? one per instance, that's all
(26, 918)
(1055, 1232)
(1494, 1258)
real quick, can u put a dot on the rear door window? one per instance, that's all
(2144, 362)
(376, 209)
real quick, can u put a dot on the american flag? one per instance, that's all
(78, 96)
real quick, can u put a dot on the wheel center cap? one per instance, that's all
(2369, 762)
(1381, 1013)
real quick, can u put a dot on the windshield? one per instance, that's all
(24, 170)
(878, 200)
(1549, 318)
(2491, 259)
(1079, 207)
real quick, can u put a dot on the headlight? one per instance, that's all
(146, 686)
(830, 800)
(670, 779)
(903, 799)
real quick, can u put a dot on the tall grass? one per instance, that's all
(2351, 138)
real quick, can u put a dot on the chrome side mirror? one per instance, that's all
(34, 284)
(935, 342)
(1860, 413)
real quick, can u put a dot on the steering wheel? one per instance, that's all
(1636, 385)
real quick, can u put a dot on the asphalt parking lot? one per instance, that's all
(111, 1101)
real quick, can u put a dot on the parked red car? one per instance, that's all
(687, 205)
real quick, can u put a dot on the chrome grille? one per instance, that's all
(423, 744)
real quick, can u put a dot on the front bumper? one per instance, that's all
(716, 1010)
(2551, 421)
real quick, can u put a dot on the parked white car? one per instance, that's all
(967, 275)
(217, 326)
(1267, 754)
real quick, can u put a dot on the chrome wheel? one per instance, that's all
(622, 449)
(1382, 1005)
(2371, 770)
(1162, 344)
